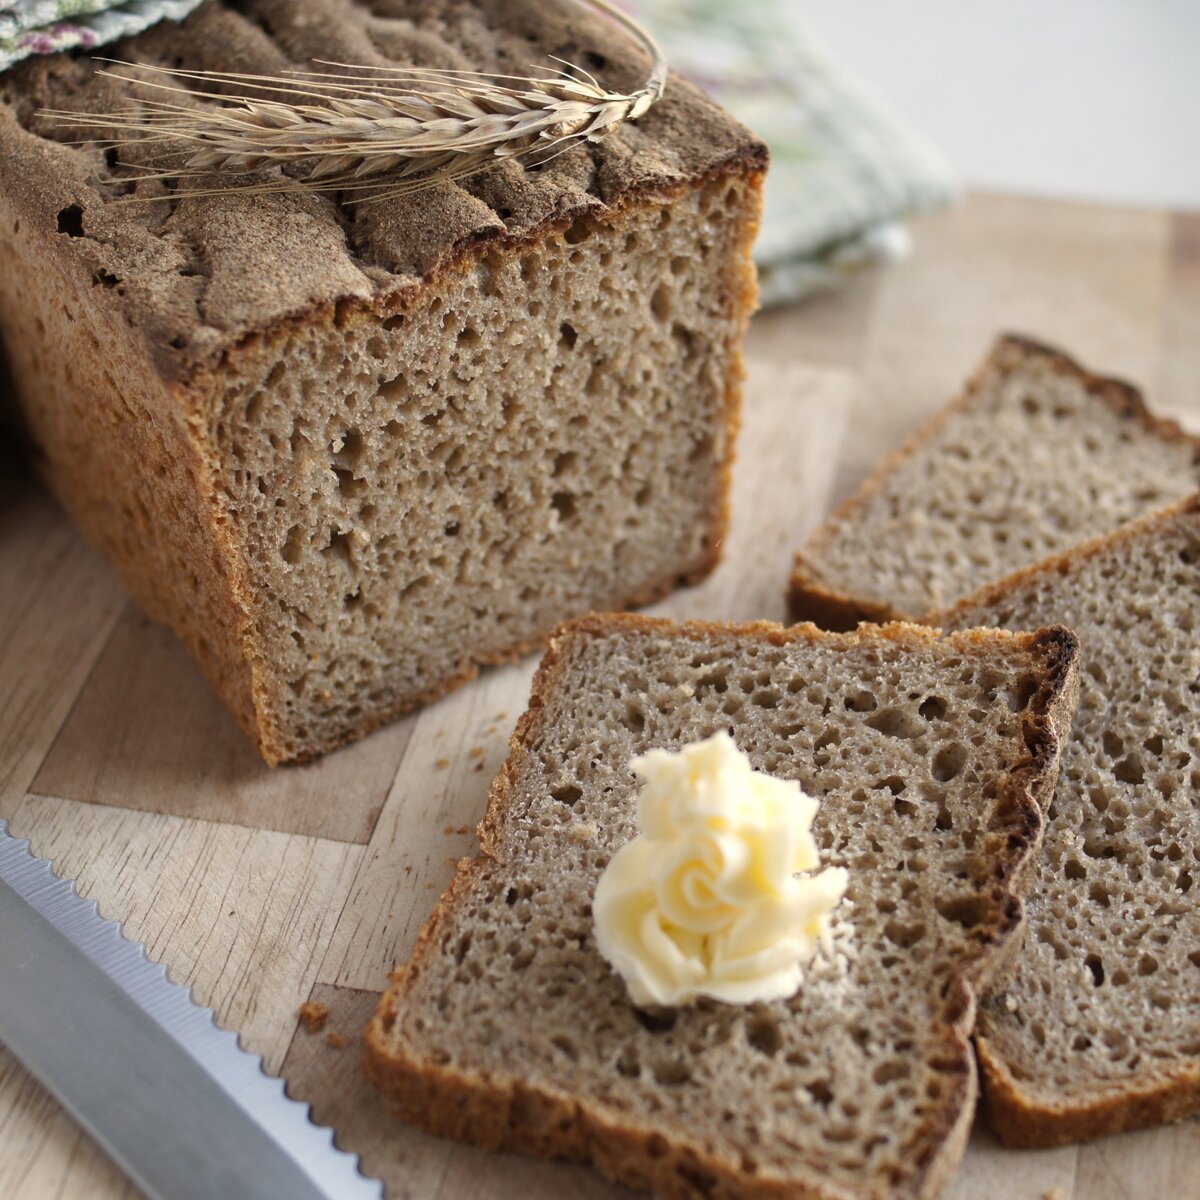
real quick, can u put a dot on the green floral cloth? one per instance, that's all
(46, 26)
(844, 171)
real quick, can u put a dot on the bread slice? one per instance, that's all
(1099, 1029)
(350, 451)
(1036, 455)
(929, 755)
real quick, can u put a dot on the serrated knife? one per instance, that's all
(173, 1098)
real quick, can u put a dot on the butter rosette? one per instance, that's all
(716, 895)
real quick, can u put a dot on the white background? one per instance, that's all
(1091, 99)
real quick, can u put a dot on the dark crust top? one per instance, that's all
(811, 598)
(453, 1100)
(197, 275)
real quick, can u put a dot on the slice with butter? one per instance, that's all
(900, 765)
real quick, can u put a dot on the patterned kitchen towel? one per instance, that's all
(844, 171)
(45, 26)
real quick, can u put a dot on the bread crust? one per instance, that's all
(1020, 1115)
(506, 1112)
(811, 599)
(1024, 1119)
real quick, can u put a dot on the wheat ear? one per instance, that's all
(380, 130)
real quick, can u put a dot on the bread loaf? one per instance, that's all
(1099, 1029)
(350, 451)
(930, 758)
(1036, 455)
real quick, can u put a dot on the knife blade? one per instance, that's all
(173, 1098)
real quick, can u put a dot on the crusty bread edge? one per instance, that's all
(1020, 1116)
(495, 1112)
(1023, 1119)
(811, 599)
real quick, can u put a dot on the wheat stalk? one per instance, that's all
(381, 130)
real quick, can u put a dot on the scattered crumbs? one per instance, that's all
(442, 764)
(501, 715)
(452, 862)
(1010, 1002)
(584, 831)
(463, 829)
(337, 1040)
(447, 830)
(490, 729)
(408, 869)
(478, 767)
(475, 752)
(1054, 1193)
(314, 1014)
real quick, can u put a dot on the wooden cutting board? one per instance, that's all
(266, 888)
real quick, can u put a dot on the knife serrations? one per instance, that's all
(148, 1071)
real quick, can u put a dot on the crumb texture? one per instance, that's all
(1037, 456)
(1102, 1010)
(438, 491)
(919, 751)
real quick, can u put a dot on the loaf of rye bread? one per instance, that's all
(1037, 454)
(930, 757)
(351, 450)
(1099, 1029)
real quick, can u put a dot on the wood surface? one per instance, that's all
(268, 888)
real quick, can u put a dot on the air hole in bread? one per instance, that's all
(895, 723)
(764, 1035)
(949, 761)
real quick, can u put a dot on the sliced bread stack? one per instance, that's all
(931, 756)
(1036, 455)
(1099, 1030)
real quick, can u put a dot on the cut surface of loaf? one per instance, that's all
(929, 757)
(1036, 455)
(1099, 1029)
(352, 450)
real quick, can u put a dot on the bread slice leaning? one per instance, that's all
(1099, 1029)
(1036, 455)
(931, 757)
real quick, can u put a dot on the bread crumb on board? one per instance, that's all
(314, 1014)
(337, 1040)
(1054, 1193)
(442, 764)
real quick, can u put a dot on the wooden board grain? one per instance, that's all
(266, 888)
(145, 732)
